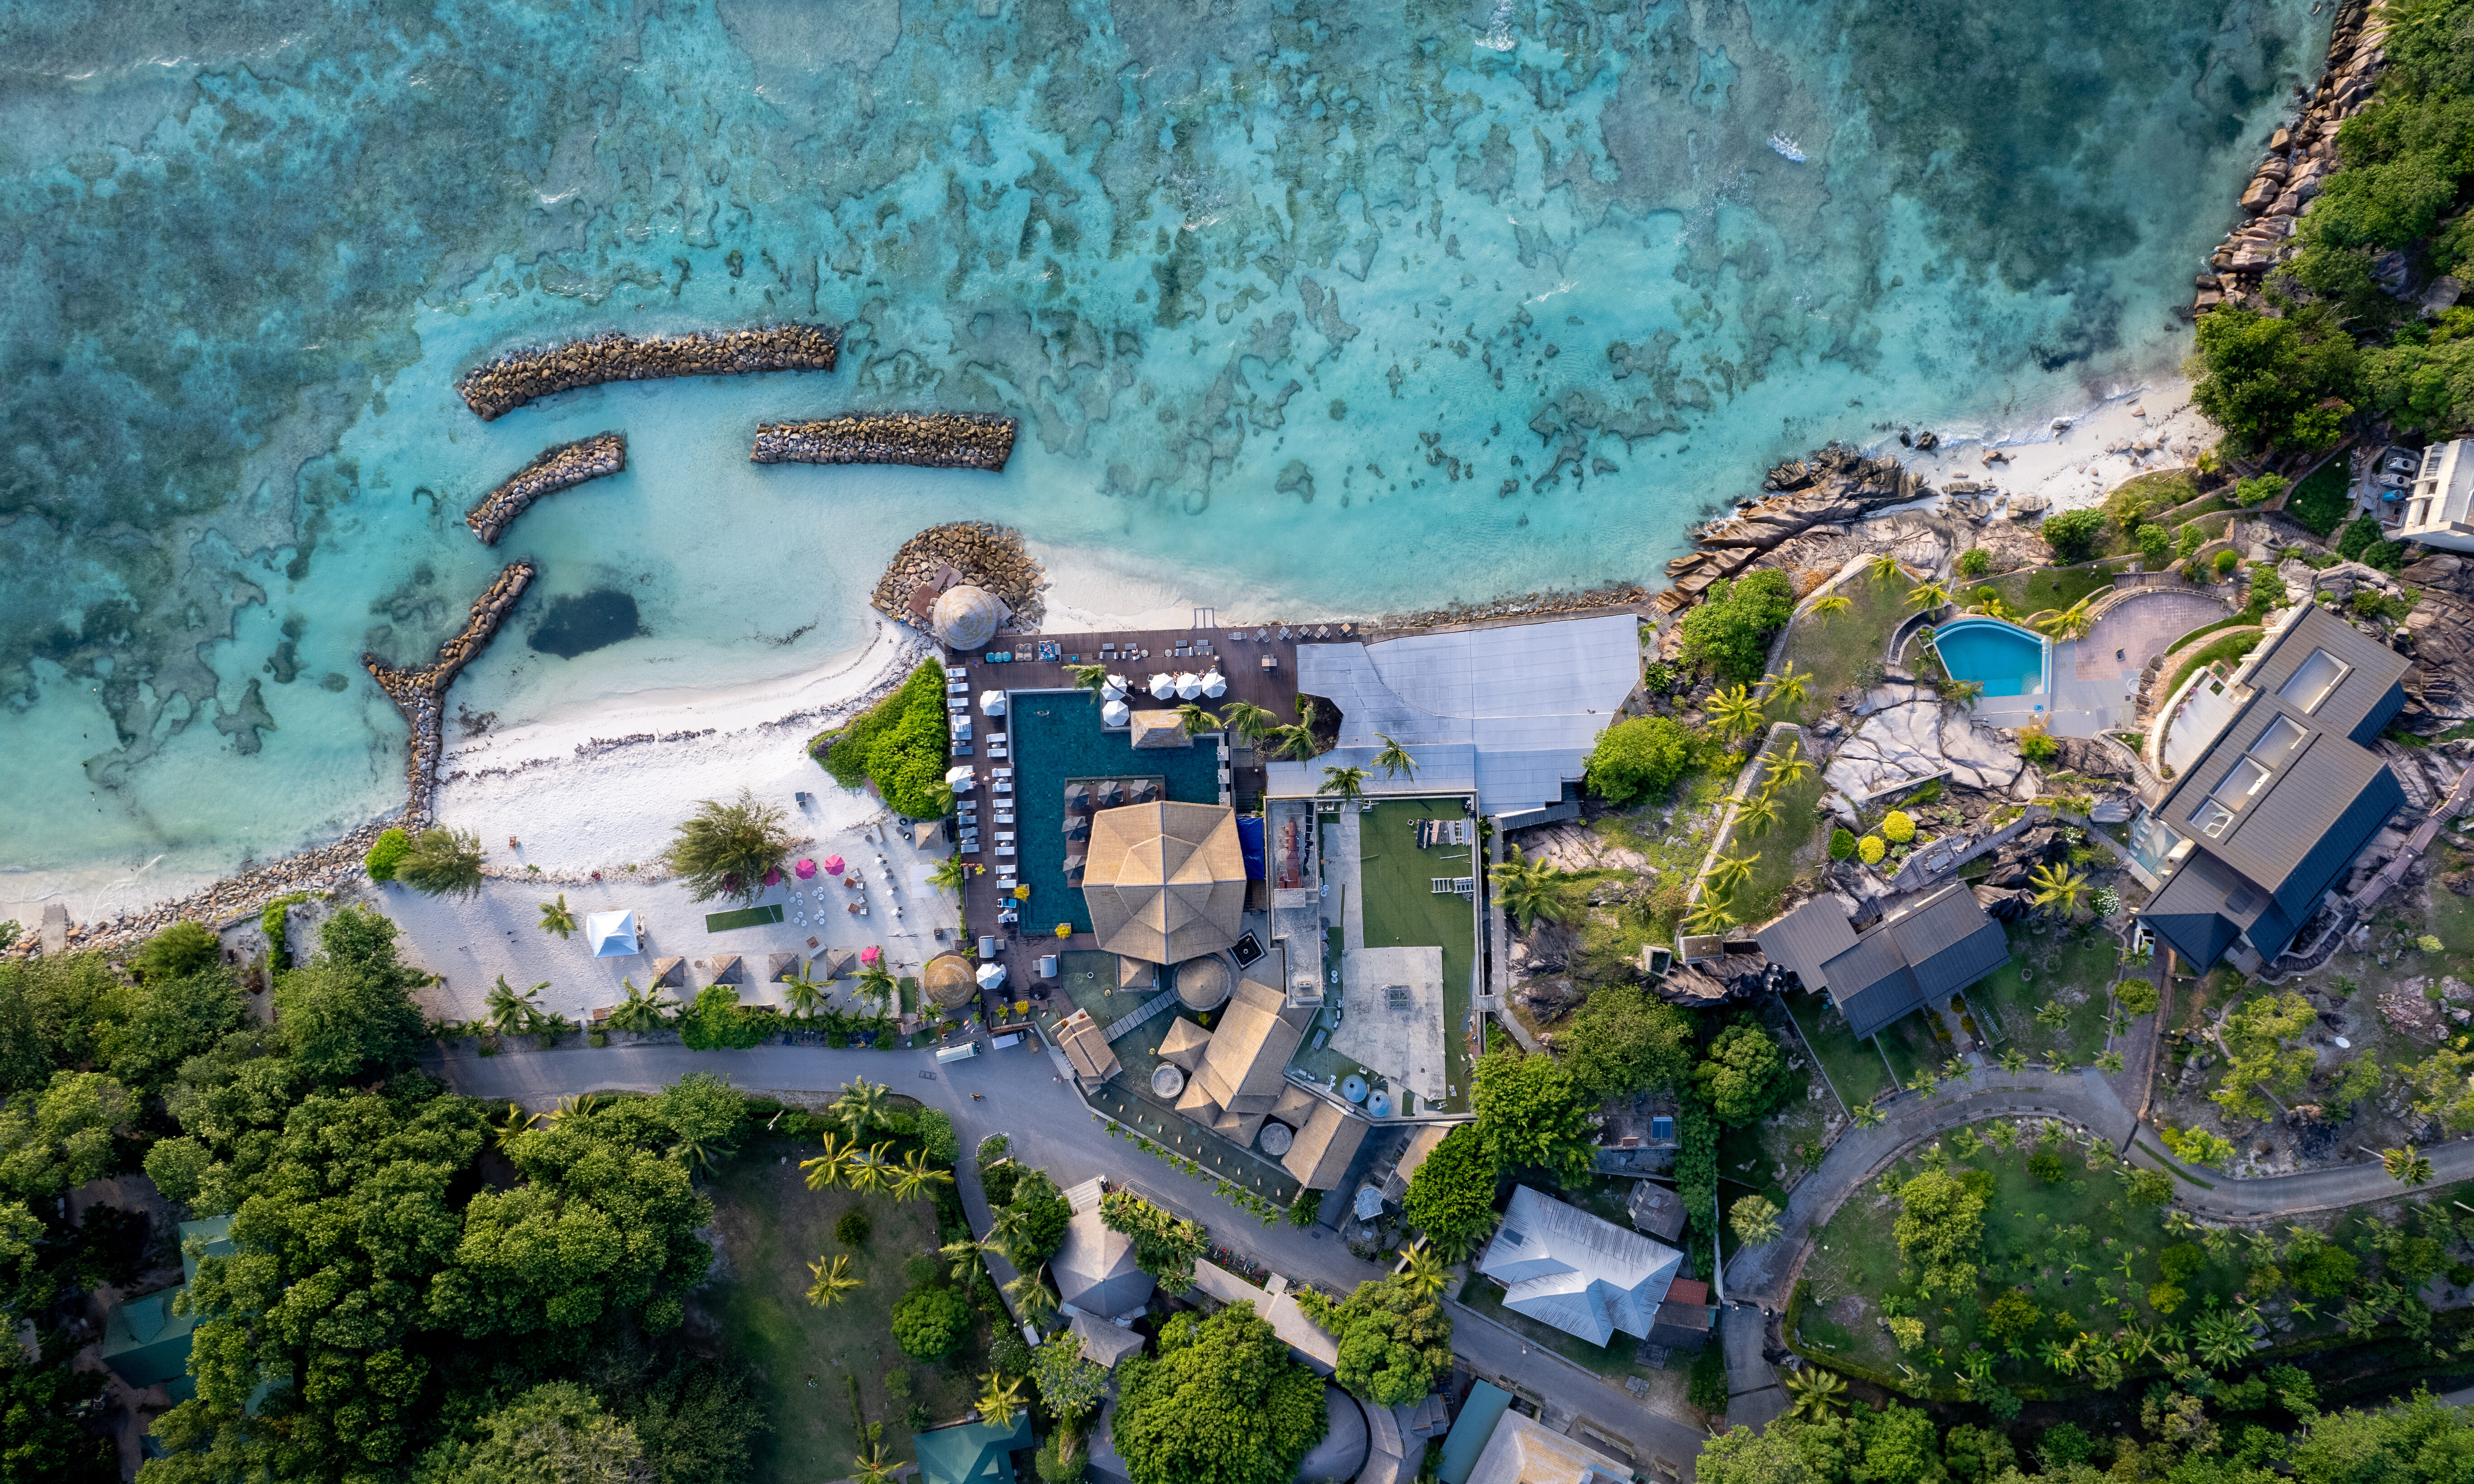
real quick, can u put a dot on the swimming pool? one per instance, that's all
(2004, 658)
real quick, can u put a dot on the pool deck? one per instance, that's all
(2094, 679)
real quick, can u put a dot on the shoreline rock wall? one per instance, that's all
(2298, 159)
(979, 553)
(927, 440)
(498, 387)
(421, 693)
(561, 468)
(1835, 486)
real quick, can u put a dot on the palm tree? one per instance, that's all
(1528, 889)
(1755, 814)
(860, 1107)
(834, 1282)
(1093, 678)
(642, 1012)
(967, 1255)
(1350, 783)
(2052, 1014)
(2064, 1358)
(511, 1013)
(833, 1167)
(1929, 596)
(1884, 567)
(1296, 743)
(2058, 886)
(1955, 1070)
(515, 1125)
(1709, 915)
(949, 875)
(1196, 719)
(1813, 1392)
(1966, 692)
(1425, 1274)
(1395, 759)
(694, 1150)
(998, 1399)
(1032, 1302)
(443, 863)
(804, 995)
(556, 919)
(871, 1169)
(728, 849)
(1247, 721)
(1786, 768)
(1789, 684)
(917, 1174)
(876, 983)
(2071, 622)
(2108, 1061)
(2014, 1062)
(1735, 710)
(2405, 1166)
(1728, 872)
(874, 1468)
(2055, 1061)
(1835, 603)
(1868, 1116)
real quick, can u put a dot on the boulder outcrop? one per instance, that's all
(1906, 740)
(927, 440)
(561, 468)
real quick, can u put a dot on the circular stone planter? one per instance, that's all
(1168, 1080)
(1274, 1139)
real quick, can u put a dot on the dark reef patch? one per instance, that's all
(585, 622)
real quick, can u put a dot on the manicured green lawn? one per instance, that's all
(2233, 646)
(743, 918)
(2064, 965)
(1853, 1066)
(1835, 649)
(2040, 588)
(1402, 909)
(771, 1228)
(1909, 1044)
(1796, 842)
(2155, 493)
(2320, 504)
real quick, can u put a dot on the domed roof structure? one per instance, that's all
(1095, 1269)
(1346, 1443)
(966, 617)
(1204, 984)
(947, 979)
(1165, 882)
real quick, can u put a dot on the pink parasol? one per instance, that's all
(833, 865)
(772, 876)
(805, 869)
(871, 955)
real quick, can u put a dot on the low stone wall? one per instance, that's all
(927, 440)
(421, 693)
(562, 467)
(501, 386)
(979, 553)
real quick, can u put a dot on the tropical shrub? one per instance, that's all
(388, 850)
(1393, 1339)
(1974, 562)
(1625, 1040)
(1897, 827)
(1744, 1075)
(1641, 758)
(931, 1322)
(716, 1021)
(1940, 1229)
(2137, 997)
(1730, 630)
(2036, 744)
(727, 850)
(1530, 1111)
(2072, 534)
(442, 862)
(900, 744)
(2259, 489)
(1870, 850)
(1165, 1246)
(1842, 843)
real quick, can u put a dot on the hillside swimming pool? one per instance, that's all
(2004, 658)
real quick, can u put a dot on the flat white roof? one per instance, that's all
(1508, 713)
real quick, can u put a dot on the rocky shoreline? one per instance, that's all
(2298, 159)
(979, 553)
(561, 468)
(1836, 485)
(421, 693)
(927, 440)
(498, 387)
(1522, 605)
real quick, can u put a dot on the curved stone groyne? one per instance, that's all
(563, 467)
(501, 386)
(2299, 158)
(930, 440)
(421, 693)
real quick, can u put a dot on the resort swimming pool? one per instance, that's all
(2005, 659)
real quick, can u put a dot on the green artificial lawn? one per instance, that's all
(772, 1226)
(2232, 646)
(2053, 966)
(1402, 909)
(2040, 588)
(1854, 1067)
(743, 918)
(2320, 504)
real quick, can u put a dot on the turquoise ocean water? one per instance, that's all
(1303, 308)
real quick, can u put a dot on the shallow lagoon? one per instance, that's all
(1305, 309)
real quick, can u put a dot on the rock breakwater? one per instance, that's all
(1836, 485)
(2299, 159)
(562, 467)
(927, 440)
(421, 693)
(501, 386)
(979, 553)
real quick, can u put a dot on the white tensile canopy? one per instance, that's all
(992, 976)
(992, 704)
(613, 934)
(959, 776)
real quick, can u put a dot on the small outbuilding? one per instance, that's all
(1096, 1272)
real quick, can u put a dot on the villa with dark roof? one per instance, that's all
(1928, 950)
(2288, 792)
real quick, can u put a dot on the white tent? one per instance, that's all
(992, 702)
(1215, 685)
(612, 935)
(959, 777)
(992, 976)
(1163, 686)
(1189, 686)
(1115, 714)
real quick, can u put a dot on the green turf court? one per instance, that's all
(743, 918)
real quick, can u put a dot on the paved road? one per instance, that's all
(1571, 1392)
(2207, 1192)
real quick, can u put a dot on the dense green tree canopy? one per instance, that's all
(1625, 1040)
(1744, 1075)
(1940, 1228)
(1037, 1216)
(930, 1321)
(60, 1137)
(2270, 380)
(556, 1433)
(1730, 630)
(1393, 1340)
(1451, 1195)
(1222, 1404)
(2073, 533)
(348, 1015)
(1639, 758)
(1530, 1112)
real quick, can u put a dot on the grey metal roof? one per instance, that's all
(2191, 912)
(1939, 946)
(1805, 938)
(1509, 712)
(2372, 666)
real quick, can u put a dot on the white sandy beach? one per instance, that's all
(2075, 465)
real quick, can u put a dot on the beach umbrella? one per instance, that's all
(1077, 826)
(992, 702)
(959, 777)
(871, 956)
(772, 876)
(1112, 794)
(807, 869)
(833, 865)
(1163, 686)
(991, 976)
(1116, 713)
(1078, 796)
(1215, 685)
(1115, 689)
(1189, 686)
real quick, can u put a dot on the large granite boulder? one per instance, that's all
(1906, 742)
(2439, 689)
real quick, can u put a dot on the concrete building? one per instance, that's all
(144, 1343)
(2439, 507)
(2285, 795)
(1916, 955)
(1562, 1266)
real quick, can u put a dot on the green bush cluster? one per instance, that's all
(2362, 541)
(716, 1021)
(1730, 630)
(1641, 758)
(274, 921)
(899, 745)
(386, 853)
(1842, 843)
(2072, 534)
